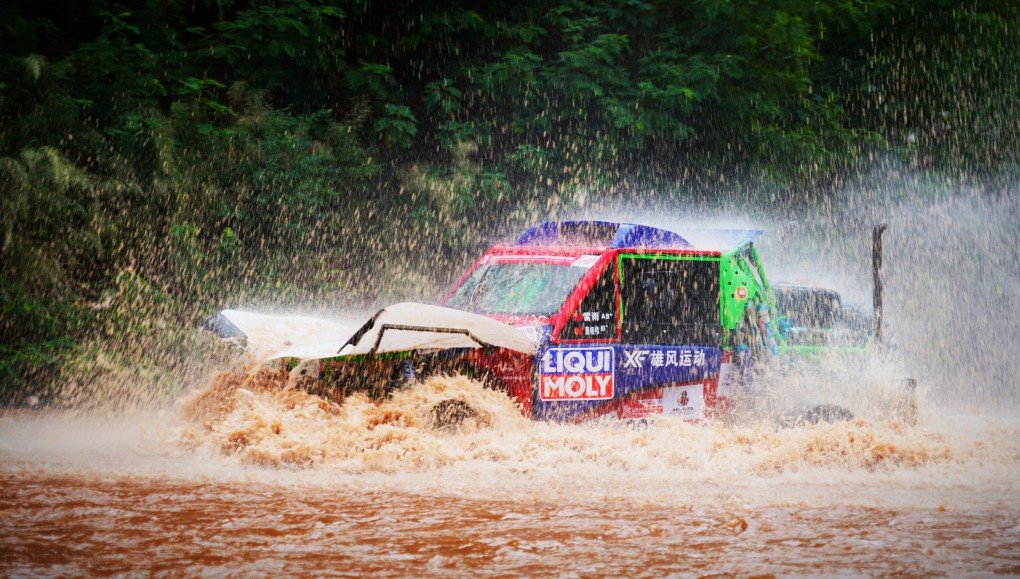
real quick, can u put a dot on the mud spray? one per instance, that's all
(243, 476)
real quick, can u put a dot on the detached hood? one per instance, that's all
(398, 328)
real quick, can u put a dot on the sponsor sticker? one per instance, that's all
(727, 375)
(659, 358)
(687, 402)
(641, 405)
(741, 293)
(577, 374)
(727, 380)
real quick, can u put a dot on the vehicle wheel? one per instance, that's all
(451, 413)
(827, 413)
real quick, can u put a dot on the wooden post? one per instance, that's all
(876, 271)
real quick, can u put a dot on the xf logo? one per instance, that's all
(635, 358)
(681, 358)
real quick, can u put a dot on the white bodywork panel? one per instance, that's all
(279, 336)
(398, 328)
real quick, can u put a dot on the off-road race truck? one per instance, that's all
(580, 321)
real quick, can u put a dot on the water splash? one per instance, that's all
(261, 422)
(391, 444)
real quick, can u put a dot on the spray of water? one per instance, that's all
(951, 265)
(244, 425)
(245, 428)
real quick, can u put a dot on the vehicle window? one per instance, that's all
(670, 301)
(516, 288)
(749, 265)
(596, 317)
(809, 307)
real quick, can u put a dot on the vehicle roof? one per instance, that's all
(720, 239)
(612, 235)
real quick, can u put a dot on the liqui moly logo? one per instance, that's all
(577, 374)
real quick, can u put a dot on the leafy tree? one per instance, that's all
(167, 154)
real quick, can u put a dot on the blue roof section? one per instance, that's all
(620, 235)
(601, 234)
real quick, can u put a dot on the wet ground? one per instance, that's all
(263, 482)
(76, 526)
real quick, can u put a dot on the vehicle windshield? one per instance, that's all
(516, 288)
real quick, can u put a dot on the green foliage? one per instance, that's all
(35, 335)
(943, 87)
(290, 49)
(58, 221)
(398, 125)
(158, 158)
(442, 97)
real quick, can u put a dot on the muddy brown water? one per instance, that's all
(264, 482)
(89, 526)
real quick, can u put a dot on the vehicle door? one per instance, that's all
(670, 333)
(575, 372)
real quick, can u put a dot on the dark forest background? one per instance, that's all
(161, 158)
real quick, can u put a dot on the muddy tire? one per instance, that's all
(451, 414)
(827, 413)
